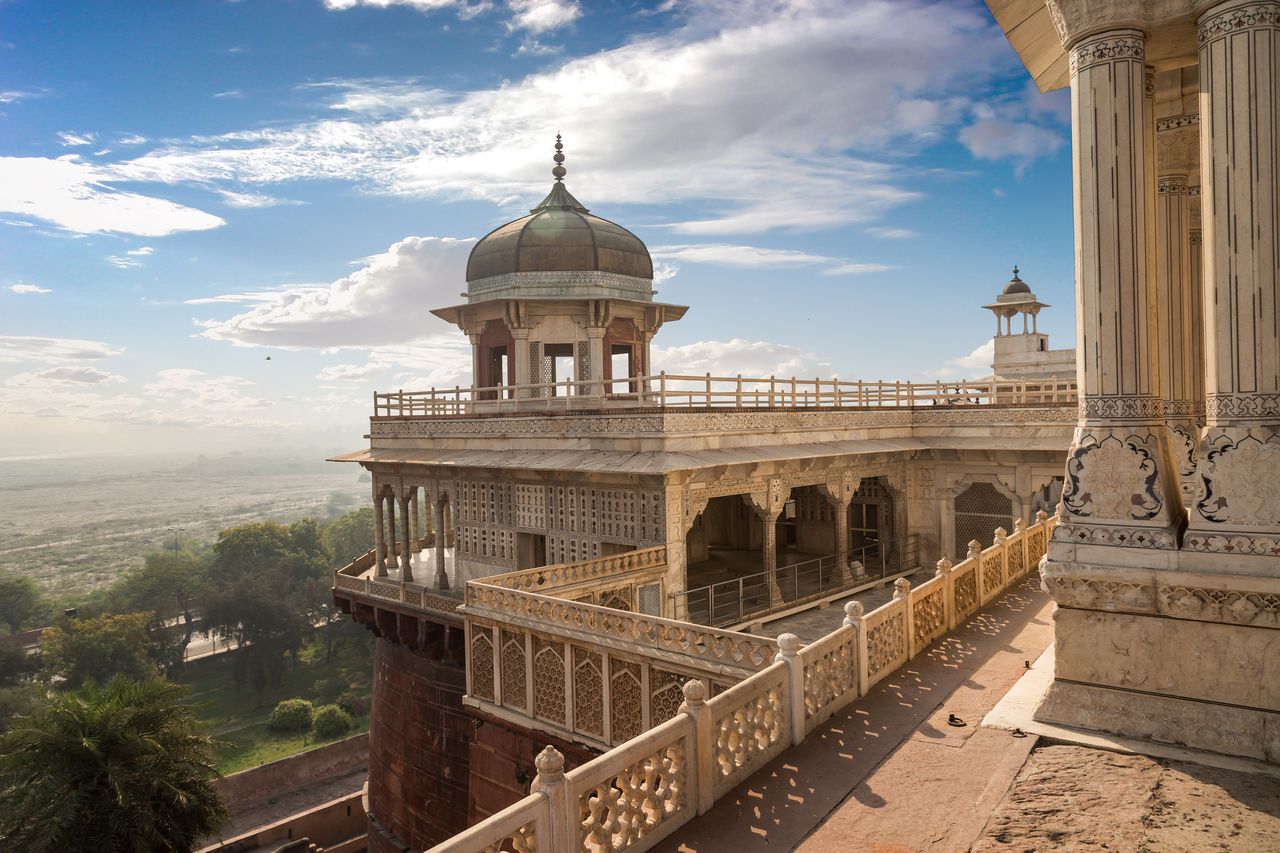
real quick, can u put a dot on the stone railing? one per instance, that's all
(357, 577)
(639, 792)
(664, 391)
(560, 577)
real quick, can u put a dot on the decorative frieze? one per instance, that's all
(1112, 47)
(1248, 17)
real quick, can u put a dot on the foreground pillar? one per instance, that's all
(406, 542)
(1239, 465)
(442, 576)
(1160, 633)
(379, 534)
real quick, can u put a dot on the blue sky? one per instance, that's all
(186, 188)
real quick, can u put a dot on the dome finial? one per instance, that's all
(558, 172)
(1015, 272)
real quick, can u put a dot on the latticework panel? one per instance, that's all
(979, 510)
(992, 573)
(548, 680)
(649, 599)
(530, 506)
(622, 810)
(588, 692)
(1017, 559)
(885, 643)
(966, 593)
(830, 676)
(514, 678)
(665, 696)
(626, 700)
(748, 731)
(929, 616)
(482, 663)
(582, 361)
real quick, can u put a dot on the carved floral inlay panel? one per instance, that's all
(1114, 478)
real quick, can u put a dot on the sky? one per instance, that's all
(223, 224)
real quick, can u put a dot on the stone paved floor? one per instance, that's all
(815, 623)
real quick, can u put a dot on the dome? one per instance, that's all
(559, 235)
(1015, 285)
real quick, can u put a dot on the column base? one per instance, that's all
(1204, 685)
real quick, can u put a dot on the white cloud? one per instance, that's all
(975, 365)
(888, 233)
(141, 251)
(540, 16)
(123, 262)
(76, 196)
(1022, 127)
(29, 288)
(185, 387)
(132, 139)
(763, 116)
(382, 303)
(855, 269)
(230, 93)
(70, 140)
(729, 358)
(22, 348)
(10, 96)
(350, 372)
(68, 375)
(729, 255)
(252, 200)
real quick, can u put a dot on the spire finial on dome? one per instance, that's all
(1015, 269)
(558, 172)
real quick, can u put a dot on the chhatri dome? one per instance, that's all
(559, 235)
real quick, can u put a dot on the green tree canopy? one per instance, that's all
(21, 603)
(99, 648)
(118, 768)
(350, 535)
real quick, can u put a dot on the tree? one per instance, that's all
(350, 535)
(166, 585)
(98, 648)
(266, 594)
(119, 768)
(20, 602)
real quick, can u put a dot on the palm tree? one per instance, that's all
(118, 768)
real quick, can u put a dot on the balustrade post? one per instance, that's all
(550, 782)
(789, 653)
(704, 744)
(948, 592)
(902, 592)
(853, 613)
(662, 388)
(1001, 535)
(737, 396)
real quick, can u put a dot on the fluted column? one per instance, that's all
(1120, 488)
(406, 546)
(520, 345)
(442, 576)
(379, 536)
(1238, 512)
(1180, 347)
(595, 355)
(416, 533)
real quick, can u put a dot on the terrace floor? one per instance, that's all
(890, 775)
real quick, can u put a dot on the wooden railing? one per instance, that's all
(639, 792)
(675, 391)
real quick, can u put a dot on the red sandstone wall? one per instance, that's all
(248, 788)
(500, 758)
(419, 750)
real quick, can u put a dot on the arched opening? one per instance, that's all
(979, 510)
(872, 525)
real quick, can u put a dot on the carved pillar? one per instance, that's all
(838, 494)
(595, 354)
(1179, 344)
(391, 529)
(767, 507)
(520, 356)
(379, 540)
(406, 546)
(1120, 487)
(475, 360)
(442, 576)
(1239, 463)
(1195, 277)
(416, 532)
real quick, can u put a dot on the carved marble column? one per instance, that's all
(520, 356)
(768, 506)
(406, 546)
(442, 576)
(595, 355)
(391, 529)
(1121, 488)
(838, 493)
(379, 532)
(475, 359)
(1238, 513)
(415, 531)
(1181, 360)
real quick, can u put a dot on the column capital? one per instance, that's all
(1171, 184)
(1123, 44)
(1220, 18)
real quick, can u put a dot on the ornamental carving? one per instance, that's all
(1242, 483)
(1107, 49)
(1242, 406)
(1121, 407)
(1212, 543)
(748, 731)
(886, 643)
(1114, 534)
(1094, 594)
(629, 806)
(1221, 605)
(1174, 122)
(1172, 184)
(1253, 16)
(829, 676)
(1177, 155)
(1113, 479)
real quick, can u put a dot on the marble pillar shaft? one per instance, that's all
(379, 537)
(1121, 484)
(442, 576)
(1180, 350)
(406, 544)
(1239, 456)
